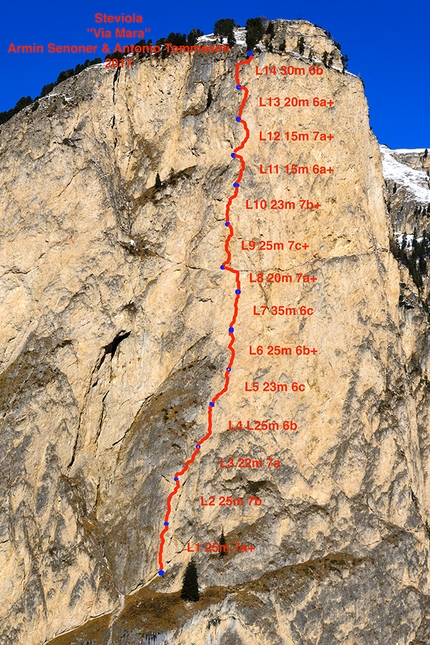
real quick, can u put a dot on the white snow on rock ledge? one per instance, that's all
(239, 34)
(409, 151)
(415, 181)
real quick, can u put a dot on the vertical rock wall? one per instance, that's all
(114, 339)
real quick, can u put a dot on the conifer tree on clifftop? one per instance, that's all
(254, 32)
(224, 28)
(193, 36)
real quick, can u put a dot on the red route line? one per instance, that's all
(235, 314)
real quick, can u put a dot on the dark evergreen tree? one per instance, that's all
(176, 39)
(157, 181)
(22, 103)
(95, 61)
(344, 59)
(190, 587)
(270, 31)
(422, 255)
(81, 66)
(5, 116)
(224, 28)
(193, 36)
(426, 153)
(210, 98)
(140, 43)
(301, 45)
(254, 32)
(231, 39)
(222, 542)
(117, 55)
(62, 76)
(47, 88)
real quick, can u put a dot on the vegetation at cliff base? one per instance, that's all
(190, 587)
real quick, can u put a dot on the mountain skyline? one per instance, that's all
(385, 43)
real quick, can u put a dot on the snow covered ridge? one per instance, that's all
(416, 182)
(409, 151)
(240, 37)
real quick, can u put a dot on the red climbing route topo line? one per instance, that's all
(224, 266)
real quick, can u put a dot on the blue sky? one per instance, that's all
(387, 44)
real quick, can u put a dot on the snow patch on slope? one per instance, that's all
(415, 181)
(409, 238)
(408, 151)
(239, 34)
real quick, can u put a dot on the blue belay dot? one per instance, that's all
(238, 119)
(237, 291)
(233, 154)
(222, 267)
(227, 224)
(175, 479)
(166, 523)
(228, 369)
(236, 185)
(231, 329)
(197, 446)
(238, 87)
(161, 572)
(249, 53)
(212, 404)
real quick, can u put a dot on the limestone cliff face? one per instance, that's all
(114, 339)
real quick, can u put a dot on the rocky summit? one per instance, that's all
(306, 511)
